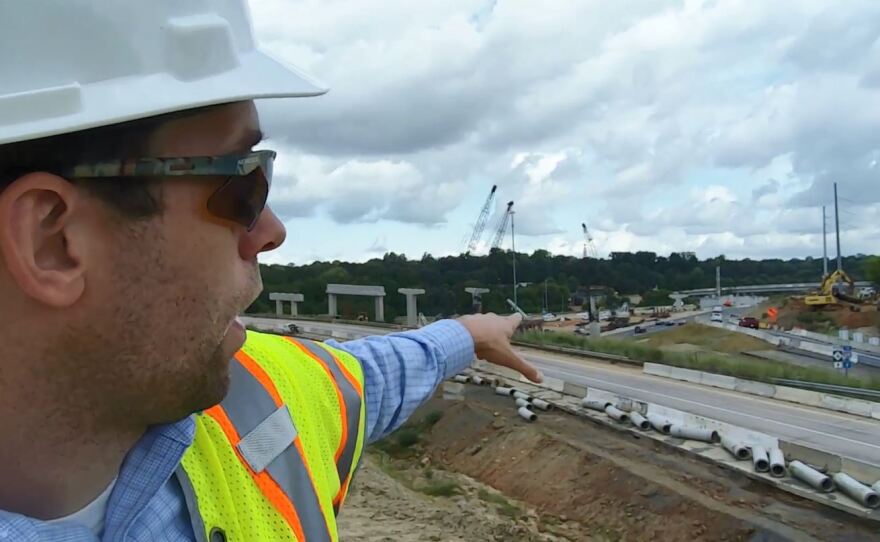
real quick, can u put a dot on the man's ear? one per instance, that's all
(40, 240)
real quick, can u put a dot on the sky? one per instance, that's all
(716, 127)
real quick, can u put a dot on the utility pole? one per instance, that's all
(824, 246)
(513, 247)
(546, 304)
(837, 229)
(718, 281)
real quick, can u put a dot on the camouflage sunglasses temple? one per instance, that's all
(227, 166)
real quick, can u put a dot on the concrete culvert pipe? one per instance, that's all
(810, 476)
(639, 421)
(543, 405)
(595, 405)
(616, 413)
(777, 463)
(694, 433)
(501, 390)
(464, 379)
(521, 395)
(760, 459)
(876, 486)
(659, 423)
(478, 380)
(520, 402)
(856, 490)
(738, 449)
(527, 414)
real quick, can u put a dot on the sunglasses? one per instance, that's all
(241, 198)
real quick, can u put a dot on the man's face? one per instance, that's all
(158, 311)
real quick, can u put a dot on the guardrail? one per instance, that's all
(859, 393)
(613, 358)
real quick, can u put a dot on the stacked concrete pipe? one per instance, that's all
(760, 459)
(527, 414)
(616, 414)
(856, 490)
(777, 463)
(810, 476)
(541, 404)
(693, 433)
(521, 395)
(639, 421)
(660, 423)
(593, 404)
(735, 447)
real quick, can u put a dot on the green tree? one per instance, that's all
(872, 269)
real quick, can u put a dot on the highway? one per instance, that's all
(865, 357)
(838, 433)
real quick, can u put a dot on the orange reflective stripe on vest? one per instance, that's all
(350, 395)
(262, 432)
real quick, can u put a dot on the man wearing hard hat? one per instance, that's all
(133, 404)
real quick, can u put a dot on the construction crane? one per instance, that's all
(481, 221)
(589, 247)
(502, 226)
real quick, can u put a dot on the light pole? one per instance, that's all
(513, 247)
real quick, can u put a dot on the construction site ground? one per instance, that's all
(474, 470)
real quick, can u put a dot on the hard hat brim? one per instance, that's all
(76, 107)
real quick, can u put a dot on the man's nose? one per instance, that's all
(268, 234)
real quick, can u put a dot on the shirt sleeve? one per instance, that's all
(402, 370)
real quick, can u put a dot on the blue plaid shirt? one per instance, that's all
(401, 371)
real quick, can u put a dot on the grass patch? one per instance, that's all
(505, 508)
(707, 338)
(441, 489)
(401, 442)
(711, 362)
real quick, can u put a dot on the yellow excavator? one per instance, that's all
(836, 287)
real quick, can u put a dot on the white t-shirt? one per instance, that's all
(92, 514)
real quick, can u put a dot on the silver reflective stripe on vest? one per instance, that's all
(268, 440)
(192, 504)
(352, 407)
(252, 411)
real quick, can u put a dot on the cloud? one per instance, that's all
(710, 125)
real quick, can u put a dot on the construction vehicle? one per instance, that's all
(480, 225)
(836, 286)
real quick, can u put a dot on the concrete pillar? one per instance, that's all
(331, 304)
(279, 298)
(294, 310)
(412, 312)
(380, 308)
(476, 298)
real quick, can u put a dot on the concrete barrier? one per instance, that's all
(755, 388)
(865, 473)
(875, 411)
(844, 404)
(577, 390)
(657, 369)
(687, 375)
(823, 461)
(555, 384)
(718, 381)
(795, 395)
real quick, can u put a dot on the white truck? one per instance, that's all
(717, 314)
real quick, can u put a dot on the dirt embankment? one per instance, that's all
(587, 482)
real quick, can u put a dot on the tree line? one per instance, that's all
(566, 278)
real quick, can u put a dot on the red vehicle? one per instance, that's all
(748, 321)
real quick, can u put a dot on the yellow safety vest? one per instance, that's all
(274, 459)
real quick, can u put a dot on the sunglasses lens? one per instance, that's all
(241, 199)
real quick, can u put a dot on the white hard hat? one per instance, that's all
(68, 65)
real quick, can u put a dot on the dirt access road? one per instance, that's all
(563, 478)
